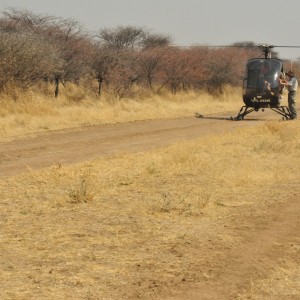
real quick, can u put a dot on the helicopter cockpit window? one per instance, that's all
(262, 72)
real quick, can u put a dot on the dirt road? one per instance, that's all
(86, 143)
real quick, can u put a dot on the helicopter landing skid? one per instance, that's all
(284, 111)
(245, 110)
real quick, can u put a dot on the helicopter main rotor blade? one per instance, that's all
(287, 46)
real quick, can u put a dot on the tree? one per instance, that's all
(122, 37)
(225, 67)
(178, 67)
(150, 65)
(130, 37)
(60, 46)
(23, 60)
(124, 74)
(103, 61)
(154, 40)
(75, 49)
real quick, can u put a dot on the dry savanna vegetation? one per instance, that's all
(135, 225)
(119, 74)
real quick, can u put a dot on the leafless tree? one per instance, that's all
(75, 49)
(124, 74)
(150, 65)
(24, 20)
(23, 60)
(102, 62)
(67, 44)
(225, 66)
(178, 67)
(154, 40)
(122, 37)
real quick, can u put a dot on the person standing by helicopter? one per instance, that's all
(292, 86)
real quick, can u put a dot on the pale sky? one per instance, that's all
(188, 22)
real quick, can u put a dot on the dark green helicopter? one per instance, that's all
(261, 84)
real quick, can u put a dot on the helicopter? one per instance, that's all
(261, 85)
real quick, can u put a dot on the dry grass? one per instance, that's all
(283, 282)
(133, 225)
(34, 111)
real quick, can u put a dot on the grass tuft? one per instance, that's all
(81, 193)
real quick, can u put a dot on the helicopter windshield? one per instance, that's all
(260, 72)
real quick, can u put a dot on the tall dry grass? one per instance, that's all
(37, 110)
(134, 225)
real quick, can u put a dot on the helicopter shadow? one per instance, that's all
(200, 116)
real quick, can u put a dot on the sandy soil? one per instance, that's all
(251, 249)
